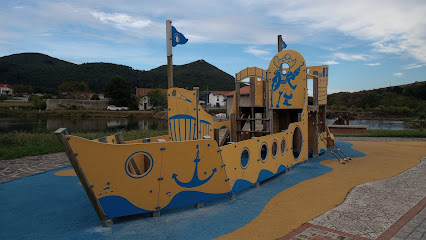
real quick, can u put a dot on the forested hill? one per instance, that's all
(403, 100)
(47, 73)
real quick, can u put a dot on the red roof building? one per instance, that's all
(6, 88)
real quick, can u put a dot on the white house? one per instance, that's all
(144, 102)
(6, 89)
(217, 99)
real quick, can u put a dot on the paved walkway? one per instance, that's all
(372, 208)
(27, 166)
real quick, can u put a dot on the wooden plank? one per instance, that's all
(223, 141)
(216, 135)
(61, 135)
(119, 139)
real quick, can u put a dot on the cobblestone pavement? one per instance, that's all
(372, 208)
(22, 167)
(414, 229)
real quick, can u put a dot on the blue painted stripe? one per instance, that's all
(171, 133)
(205, 122)
(180, 138)
(190, 129)
(174, 123)
(182, 116)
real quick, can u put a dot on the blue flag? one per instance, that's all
(177, 37)
(284, 45)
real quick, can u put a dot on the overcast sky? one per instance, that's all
(368, 44)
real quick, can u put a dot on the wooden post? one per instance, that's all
(233, 128)
(197, 103)
(252, 91)
(237, 123)
(315, 89)
(60, 133)
(315, 116)
(269, 113)
(169, 53)
(216, 135)
(280, 43)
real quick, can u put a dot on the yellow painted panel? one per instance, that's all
(205, 121)
(287, 91)
(182, 114)
(259, 93)
(104, 165)
(251, 72)
(191, 166)
(231, 154)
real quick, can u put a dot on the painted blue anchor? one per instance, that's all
(195, 181)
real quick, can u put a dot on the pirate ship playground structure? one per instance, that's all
(201, 160)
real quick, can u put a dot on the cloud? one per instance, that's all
(257, 52)
(350, 57)
(330, 62)
(398, 74)
(122, 20)
(373, 64)
(413, 66)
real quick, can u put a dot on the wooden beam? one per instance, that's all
(61, 135)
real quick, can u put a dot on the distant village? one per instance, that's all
(88, 100)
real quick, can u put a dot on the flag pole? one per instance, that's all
(169, 53)
(280, 43)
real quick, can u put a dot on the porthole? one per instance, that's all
(274, 148)
(297, 142)
(139, 164)
(283, 146)
(264, 152)
(245, 158)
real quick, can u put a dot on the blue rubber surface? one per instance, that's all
(46, 206)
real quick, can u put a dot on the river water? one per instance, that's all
(79, 125)
(376, 124)
(87, 125)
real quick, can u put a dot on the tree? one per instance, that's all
(157, 98)
(95, 97)
(21, 88)
(73, 89)
(118, 90)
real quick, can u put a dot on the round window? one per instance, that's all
(274, 149)
(264, 152)
(297, 142)
(283, 146)
(139, 164)
(245, 158)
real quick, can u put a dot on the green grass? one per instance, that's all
(21, 144)
(389, 133)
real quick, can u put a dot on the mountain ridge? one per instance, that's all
(47, 73)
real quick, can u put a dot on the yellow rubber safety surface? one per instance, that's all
(66, 172)
(299, 204)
